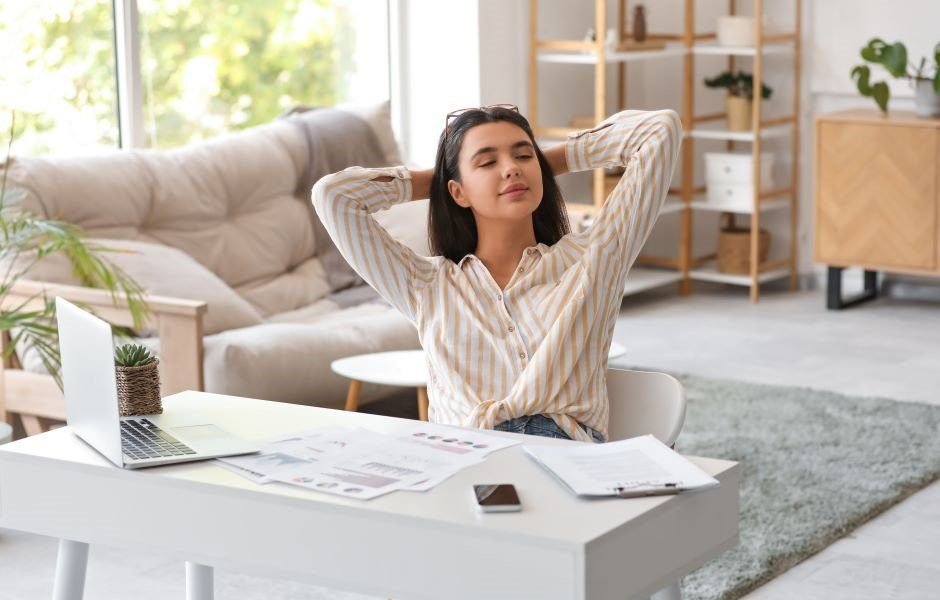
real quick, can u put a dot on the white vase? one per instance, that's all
(735, 30)
(926, 100)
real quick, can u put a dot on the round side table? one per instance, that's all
(403, 368)
(6, 433)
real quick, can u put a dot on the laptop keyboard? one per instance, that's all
(141, 439)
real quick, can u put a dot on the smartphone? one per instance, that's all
(497, 498)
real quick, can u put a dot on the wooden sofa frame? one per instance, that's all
(32, 403)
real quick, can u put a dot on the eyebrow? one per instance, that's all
(520, 144)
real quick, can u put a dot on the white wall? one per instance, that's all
(470, 52)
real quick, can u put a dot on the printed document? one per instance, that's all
(629, 465)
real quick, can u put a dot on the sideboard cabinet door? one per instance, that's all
(877, 199)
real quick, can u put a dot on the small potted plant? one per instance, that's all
(138, 380)
(893, 57)
(740, 101)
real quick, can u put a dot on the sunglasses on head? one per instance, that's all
(456, 113)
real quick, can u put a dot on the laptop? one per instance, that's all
(91, 403)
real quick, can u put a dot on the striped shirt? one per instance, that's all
(540, 345)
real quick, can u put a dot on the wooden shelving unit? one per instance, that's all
(687, 198)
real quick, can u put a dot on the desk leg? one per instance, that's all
(198, 582)
(352, 396)
(70, 571)
(423, 403)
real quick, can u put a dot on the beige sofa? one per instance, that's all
(222, 237)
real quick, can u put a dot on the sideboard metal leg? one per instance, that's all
(834, 300)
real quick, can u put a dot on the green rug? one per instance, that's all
(816, 465)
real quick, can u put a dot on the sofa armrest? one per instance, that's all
(177, 321)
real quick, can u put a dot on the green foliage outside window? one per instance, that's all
(208, 66)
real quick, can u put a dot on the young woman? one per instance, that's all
(514, 312)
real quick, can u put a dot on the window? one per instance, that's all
(58, 75)
(205, 67)
(211, 66)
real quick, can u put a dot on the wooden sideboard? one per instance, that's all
(877, 197)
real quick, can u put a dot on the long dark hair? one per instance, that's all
(452, 228)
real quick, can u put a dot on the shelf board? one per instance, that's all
(718, 131)
(773, 204)
(590, 58)
(641, 279)
(714, 49)
(709, 272)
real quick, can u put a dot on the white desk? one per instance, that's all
(404, 545)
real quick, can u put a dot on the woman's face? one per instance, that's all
(499, 172)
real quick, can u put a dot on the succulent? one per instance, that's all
(133, 355)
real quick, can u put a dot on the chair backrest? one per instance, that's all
(643, 402)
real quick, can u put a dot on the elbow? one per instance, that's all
(671, 124)
(322, 192)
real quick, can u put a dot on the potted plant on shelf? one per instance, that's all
(893, 57)
(740, 100)
(25, 239)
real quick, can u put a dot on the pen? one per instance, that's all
(663, 490)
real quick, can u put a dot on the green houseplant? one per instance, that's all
(25, 239)
(893, 57)
(740, 100)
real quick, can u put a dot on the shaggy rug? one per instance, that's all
(816, 465)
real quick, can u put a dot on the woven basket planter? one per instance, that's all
(734, 250)
(139, 389)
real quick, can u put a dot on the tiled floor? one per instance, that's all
(888, 348)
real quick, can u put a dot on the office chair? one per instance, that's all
(641, 403)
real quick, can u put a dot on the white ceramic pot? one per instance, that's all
(926, 100)
(735, 30)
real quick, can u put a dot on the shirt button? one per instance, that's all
(522, 355)
(499, 296)
(529, 251)
(521, 269)
(511, 329)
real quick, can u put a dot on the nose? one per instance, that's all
(511, 169)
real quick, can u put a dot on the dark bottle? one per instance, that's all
(639, 23)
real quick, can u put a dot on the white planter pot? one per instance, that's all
(926, 100)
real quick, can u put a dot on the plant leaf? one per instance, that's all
(881, 93)
(894, 59)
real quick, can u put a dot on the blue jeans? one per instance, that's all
(544, 426)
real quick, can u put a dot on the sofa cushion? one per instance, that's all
(290, 362)
(160, 271)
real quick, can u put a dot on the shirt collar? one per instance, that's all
(540, 248)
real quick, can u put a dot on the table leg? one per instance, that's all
(423, 403)
(70, 571)
(198, 582)
(352, 396)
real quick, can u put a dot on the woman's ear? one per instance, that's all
(456, 191)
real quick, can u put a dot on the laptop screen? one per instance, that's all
(88, 381)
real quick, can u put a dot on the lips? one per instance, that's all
(516, 187)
